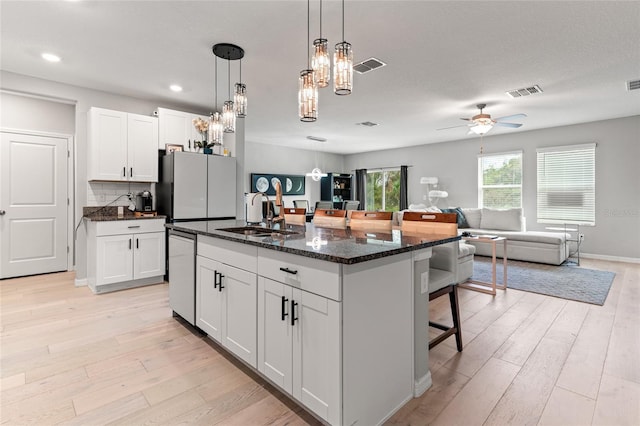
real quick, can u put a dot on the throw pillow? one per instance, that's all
(462, 221)
(503, 220)
(473, 216)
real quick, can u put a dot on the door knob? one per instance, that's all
(2, 212)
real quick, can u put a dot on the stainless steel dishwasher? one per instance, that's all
(182, 274)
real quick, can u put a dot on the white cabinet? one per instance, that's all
(176, 127)
(124, 254)
(226, 298)
(299, 343)
(122, 146)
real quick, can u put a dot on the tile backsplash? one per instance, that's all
(103, 193)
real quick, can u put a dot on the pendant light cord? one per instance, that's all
(343, 21)
(308, 37)
(229, 79)
(240, 70)
(215, 105)
(321, 19)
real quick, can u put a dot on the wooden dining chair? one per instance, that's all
(330, 218)
(368, 220)
(295, 216)
(442, 266)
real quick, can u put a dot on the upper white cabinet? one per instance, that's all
(176, 127)
(122, 146)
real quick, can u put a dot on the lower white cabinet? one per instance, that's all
(125, 253)
(299, 345)
(226, 306)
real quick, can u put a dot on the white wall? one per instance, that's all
(19, 109)
(617, 175)
(261, 158)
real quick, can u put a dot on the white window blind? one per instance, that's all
(566, 184)
(500, 180)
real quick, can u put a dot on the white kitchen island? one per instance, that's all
(332, 317)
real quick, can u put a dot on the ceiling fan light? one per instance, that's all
(316, 174)
(307, 96)
(342, 69)
(481, 129)
(320, 62)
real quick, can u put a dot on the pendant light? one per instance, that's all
(342, 65)
(316, 174)
(238, 105)
(215, 134)
(228, 114)
(307, 88)
(240, 96)
(320, 63)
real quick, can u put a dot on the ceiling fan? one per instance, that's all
(482, 123)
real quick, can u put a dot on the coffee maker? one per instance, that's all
(144, 201)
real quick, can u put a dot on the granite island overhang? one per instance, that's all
(336, 318)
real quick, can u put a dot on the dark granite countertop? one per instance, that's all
(345, 246)
(109, 213)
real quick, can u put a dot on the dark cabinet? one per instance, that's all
(337, 187)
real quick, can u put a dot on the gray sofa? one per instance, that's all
(529, 246)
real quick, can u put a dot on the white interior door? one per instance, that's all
(33, 204)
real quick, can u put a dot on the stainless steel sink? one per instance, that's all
(257, 231)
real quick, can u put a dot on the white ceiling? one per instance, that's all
(443, 58)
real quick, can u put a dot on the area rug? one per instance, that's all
(565, 281)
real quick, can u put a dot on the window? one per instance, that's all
(566, 184)
(500, 180)
(383, 190)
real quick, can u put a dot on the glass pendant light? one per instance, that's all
(215, 132)
(307, 88)
(320, 63)
(342, 65)
(228, 114)
(240, 97)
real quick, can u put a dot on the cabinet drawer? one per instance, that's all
(242, 256)
(315, 276)
(117, 227)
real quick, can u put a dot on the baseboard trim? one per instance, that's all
(421, 385)
(610, 258)
(81, 282)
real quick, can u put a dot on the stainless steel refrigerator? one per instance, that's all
(196, 186)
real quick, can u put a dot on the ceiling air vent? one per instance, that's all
(368, 123)
(368, 65)
(526, 91)
(633, 85)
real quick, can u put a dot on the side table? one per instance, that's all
(483, 286)
(568, 231)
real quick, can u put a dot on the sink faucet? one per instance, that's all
(280, 204)
(269, 212)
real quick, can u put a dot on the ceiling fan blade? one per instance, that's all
(466, 119)
(503, 124)
(453, 127)
(511, 117)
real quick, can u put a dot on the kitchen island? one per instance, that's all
(335, 318)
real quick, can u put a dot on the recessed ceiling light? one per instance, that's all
(175, 88)
(51, 57)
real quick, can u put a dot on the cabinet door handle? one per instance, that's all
(129, 243)
(289, 271)
(137, 243)
(133, 226)
(220, 286)
(284, 307)
(124, 171)
(293, 312)
(131, 171)
(215, 279)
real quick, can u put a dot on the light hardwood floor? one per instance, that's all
(70, 357)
